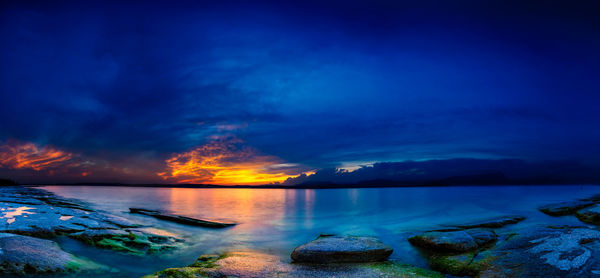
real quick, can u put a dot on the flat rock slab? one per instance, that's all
(454, 241)
(181, 219)
(589, 215)
(253, 264)
(566, 208)
(494, 222)
(28, 255)
(342, 249)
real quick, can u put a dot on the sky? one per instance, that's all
(233, 92)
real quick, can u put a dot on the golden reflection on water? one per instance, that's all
(243, 206)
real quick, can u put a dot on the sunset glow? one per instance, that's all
(18, 155)
(225, 162)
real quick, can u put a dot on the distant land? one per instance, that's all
(491, 179)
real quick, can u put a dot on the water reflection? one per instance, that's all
(275, 221)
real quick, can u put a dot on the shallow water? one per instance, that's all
(275, 221)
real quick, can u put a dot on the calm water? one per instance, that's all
(275, 221)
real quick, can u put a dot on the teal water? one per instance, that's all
(275, 221)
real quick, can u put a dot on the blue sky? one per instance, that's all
(310, 84)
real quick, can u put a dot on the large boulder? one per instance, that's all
(454, 241)
(252, 264)
(28, 255)
(342, 249)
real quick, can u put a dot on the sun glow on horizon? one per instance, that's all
(227, 162)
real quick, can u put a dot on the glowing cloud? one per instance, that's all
(226, 162)
(17, 155)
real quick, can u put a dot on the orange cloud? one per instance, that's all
(18, 155)
(225, 162)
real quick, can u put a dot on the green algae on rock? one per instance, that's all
(47, 216)
(454, 241)
(558, 251)
(254, 264)
(131, 240)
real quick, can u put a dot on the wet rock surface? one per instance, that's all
(342, 249)
(181, 219)
(546, 252)
(494, 222)
(589, 215)
(253, 264)
(39, 213)
(566, 208)
(454, 241)
(28, 255)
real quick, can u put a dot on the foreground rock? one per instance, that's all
(454, 241)
(251, 264)
(547, 252)
(566, 208)
(531, 252)
(27, 255)
(589, 215)
(342, 249)
(181, 219)
(39, 213)
(494, 222)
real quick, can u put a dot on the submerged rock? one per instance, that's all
(494, 222)
(252, 264)
(589, 215)
(28, 255)
(342, 249)
(454, 241)
(566, 208)
(133, 241)
(181, 219)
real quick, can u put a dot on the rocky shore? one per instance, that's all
(494, 247)
(31, 216)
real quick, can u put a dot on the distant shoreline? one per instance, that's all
(205, 186)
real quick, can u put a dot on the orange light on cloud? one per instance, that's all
(17, 155)
(225, 162)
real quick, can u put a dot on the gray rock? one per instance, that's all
(531, 252)
(589, 215)
(28, 255)
(342, 249)
(494, 222)
(182, 219)
(547, 252)
(46, 216)
(454, 241)
(565, 208)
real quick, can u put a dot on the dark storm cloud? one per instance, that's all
(314, 83)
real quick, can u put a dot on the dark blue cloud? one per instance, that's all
(322, 84)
